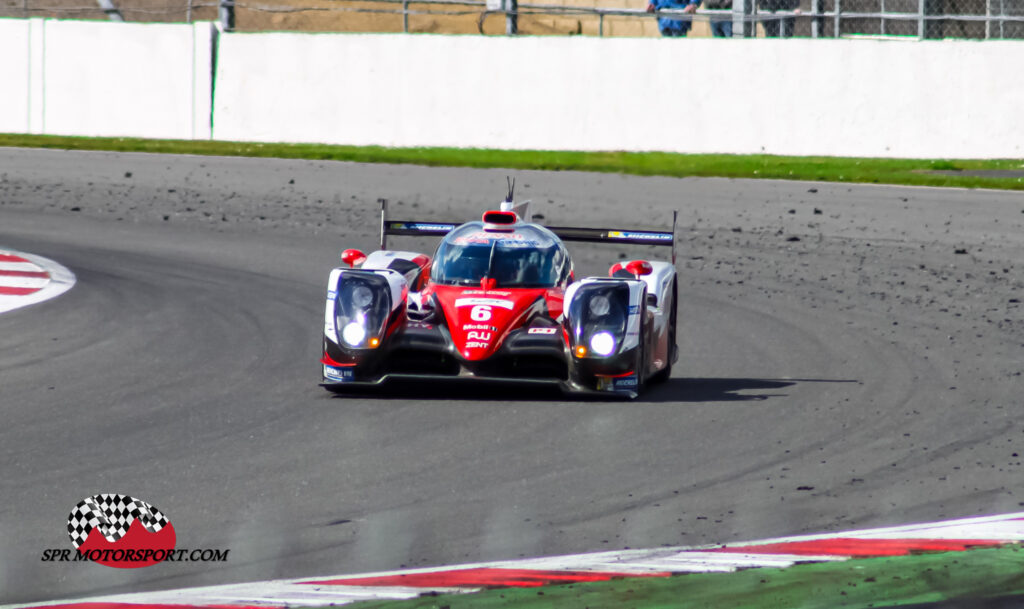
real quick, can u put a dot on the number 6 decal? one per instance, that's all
(480, 313)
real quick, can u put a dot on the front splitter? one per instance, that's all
(567, 388)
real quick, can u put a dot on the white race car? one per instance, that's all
(498, 301)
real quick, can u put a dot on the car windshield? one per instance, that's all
(530, 257)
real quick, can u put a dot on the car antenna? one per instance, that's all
(521, 209)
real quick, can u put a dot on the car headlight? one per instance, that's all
(602, 343)
(362, 296)
(354, 333)
(599, 305)
(362, 309)
(598, 315)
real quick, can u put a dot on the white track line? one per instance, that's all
(23, 282)
(17, 266)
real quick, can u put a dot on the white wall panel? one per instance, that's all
(119, 79)
(823, 97)
(14, 74)
(958, 99)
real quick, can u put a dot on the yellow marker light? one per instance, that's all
(581, 351)
(374, 342)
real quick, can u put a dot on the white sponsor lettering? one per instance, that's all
(480, 313)
(338, 374)
(477, 345)
(478, 327)
(491, 302)
(542, 331)
(645, 236)
(484, 336)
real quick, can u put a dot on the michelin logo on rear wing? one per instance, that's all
(421, 227)
(646, 236)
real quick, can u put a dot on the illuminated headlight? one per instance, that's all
(362, 296)
(362, 308)
(354, 333)
(599, 305)
(602, 343)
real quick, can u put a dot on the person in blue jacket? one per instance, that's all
(668, 25)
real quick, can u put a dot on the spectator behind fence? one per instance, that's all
(721, 23)
(774, 26)
(670, 26)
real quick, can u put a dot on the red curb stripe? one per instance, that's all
(18, 291)
(862, 547)
(486, 578)
(11, 258)
(40, 274)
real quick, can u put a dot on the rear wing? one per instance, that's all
(565, 233)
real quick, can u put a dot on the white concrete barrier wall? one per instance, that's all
(790, 97)
(95, 78)
(14, 75)
(955, 99)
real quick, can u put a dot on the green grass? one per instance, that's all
(855, 584)
(830, 169)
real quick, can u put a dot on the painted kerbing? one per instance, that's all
(27, 279)
(949, 536)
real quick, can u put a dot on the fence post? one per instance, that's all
(108, 7)
(227, 15)
(816, 22)
(405, 16)
(920, 19)
(511, 17)
(742, 26)
(836, 20)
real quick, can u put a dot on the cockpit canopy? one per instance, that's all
(529, 256)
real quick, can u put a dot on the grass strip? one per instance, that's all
(919, 172)
(854, 584)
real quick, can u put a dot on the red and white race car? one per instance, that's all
(499, 301)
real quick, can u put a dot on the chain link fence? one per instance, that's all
(920, 19)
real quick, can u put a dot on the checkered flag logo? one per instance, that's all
(112, 514)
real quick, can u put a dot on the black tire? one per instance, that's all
(642, 357)
(664, 374)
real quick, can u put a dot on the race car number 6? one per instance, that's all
(480, 313)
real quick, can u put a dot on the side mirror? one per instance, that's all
(640, 267)
(633, 268)
(352, 257)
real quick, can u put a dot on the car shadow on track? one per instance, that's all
(672, 390)
(724, 389)
(443, 390)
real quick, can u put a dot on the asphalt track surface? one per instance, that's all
(842, 366)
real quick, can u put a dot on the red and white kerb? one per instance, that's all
(27, 279)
